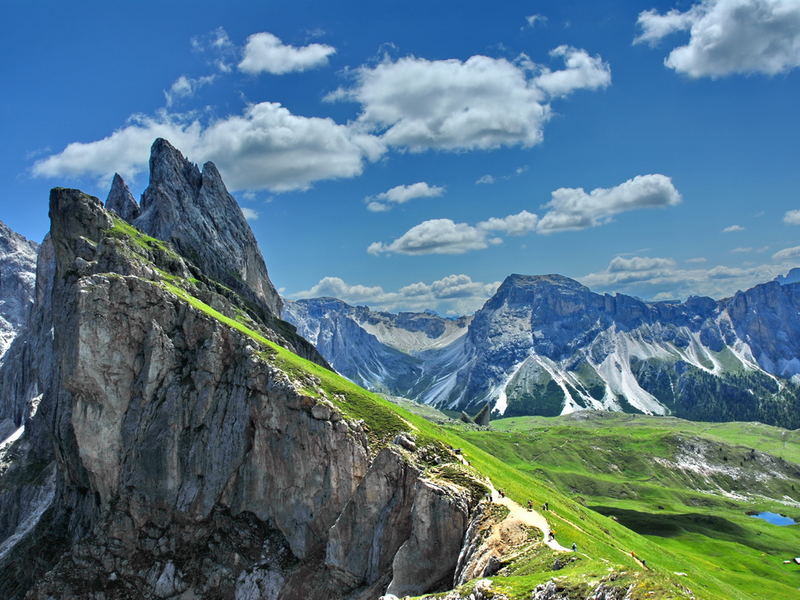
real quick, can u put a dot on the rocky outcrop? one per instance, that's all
(182, 460)
(17, 266)
(121, 201)
(193, 211)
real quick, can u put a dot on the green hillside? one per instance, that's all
(693, 541)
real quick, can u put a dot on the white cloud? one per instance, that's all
(787, 253)
(185, 87)
(582, 72)
(574, 208)
(519, 224)
(401, 194)
(485, 180)
(532, 20)
(660, 278)
(742, 250)
(266, 147)
(569, 209)
(792, 217)
(621, 264)
(733, 229)
(264, 52)
(437, 236)
(729, 36)
(250, 214)
(456, 293)
(697, 260)
(479, 103)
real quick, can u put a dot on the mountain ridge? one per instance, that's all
(547, 344)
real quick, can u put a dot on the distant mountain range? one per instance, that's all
(547, 345)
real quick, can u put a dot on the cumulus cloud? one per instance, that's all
(436, 236)
(733, 228)
(792, 217)
(266, 53)
(574, 208)
(582, 72)
(569, 209)
(485, 180)
(621, 264)
(456, 293)
(266, 147)
(479, 103)
(401, 194)
(519, 224)
(729, 36)
(661, 278)
(787, 253)
(185, 87)
(250, 214)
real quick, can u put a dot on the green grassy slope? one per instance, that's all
(608, 462)
(529, 465)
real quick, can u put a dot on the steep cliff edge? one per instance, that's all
(180, 451)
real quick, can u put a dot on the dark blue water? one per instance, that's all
(775, 518)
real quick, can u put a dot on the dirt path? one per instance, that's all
(528, 517)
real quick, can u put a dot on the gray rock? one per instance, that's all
(121, 201)
(193, 210)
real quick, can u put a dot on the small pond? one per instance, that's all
(775, 518)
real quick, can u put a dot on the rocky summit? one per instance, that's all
(547, 345)
(192, 209)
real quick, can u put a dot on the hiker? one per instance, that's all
(502, 495)
(644, 563)
(574, 547)
(546, 506)
(530, 506)
(552, 535)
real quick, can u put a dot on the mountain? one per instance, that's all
(378, 350)
(169, 443)
(17, 278)
(547, 345)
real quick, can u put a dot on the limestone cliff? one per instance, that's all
(177, 450)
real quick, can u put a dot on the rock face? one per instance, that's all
(17, 277)
(172, 454)
(121, 201)
(193, 211)
(548, 345)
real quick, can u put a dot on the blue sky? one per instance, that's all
(410, 155)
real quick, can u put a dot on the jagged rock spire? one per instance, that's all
(193, 210)
(121, 201)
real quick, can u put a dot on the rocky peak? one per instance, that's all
(121, 201)
(17, 278)
(193, 210)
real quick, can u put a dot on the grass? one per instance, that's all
(607, 462)
(557, 461)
